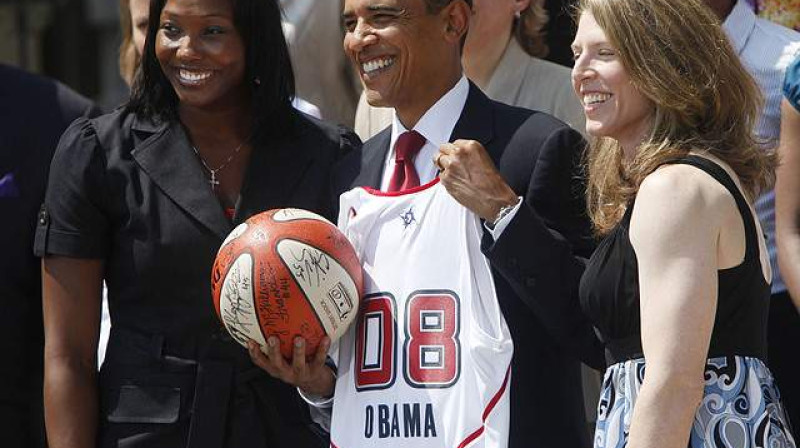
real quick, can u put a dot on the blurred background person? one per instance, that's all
(679, 287)
(34, 111)
(133, 17)
(143, 198)
(787, 210)
(502, 55)
(765, 49)
(323, 74)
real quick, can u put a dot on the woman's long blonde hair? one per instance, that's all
(677, 56)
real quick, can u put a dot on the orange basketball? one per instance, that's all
(288, 273)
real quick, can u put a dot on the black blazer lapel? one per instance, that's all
(373, 156)
(272, 176)
(169, 161)
(477, 118)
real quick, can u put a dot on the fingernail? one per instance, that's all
(273, 341)
(298, 342)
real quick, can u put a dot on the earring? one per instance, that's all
(257, 81)
(517, 14)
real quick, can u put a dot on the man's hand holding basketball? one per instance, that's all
(310, 374)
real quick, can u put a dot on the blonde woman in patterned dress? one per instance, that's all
(679, 287)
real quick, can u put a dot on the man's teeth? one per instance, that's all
(194, 76)
(377, 64)
(594, 98)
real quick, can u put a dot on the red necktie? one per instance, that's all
(405, 151)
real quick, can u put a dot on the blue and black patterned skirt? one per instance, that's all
(741, 406)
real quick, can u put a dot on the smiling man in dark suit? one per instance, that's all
(516, 169)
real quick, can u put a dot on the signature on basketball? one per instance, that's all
(311, 266)
(238, 314)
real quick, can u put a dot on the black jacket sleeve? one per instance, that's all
(542, 253)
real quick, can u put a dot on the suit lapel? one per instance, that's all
(373, 156)
(169, 161)
(477, 118)
(272, 175)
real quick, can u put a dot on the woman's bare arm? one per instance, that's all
(71, 299)
(674, 231)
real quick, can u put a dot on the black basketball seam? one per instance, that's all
(255, 304)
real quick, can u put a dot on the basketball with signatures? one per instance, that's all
(286, 272)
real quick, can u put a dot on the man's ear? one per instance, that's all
(457, 15)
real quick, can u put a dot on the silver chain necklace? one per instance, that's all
(213, 181)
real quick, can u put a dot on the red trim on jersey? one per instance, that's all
(333, 445)
(375, 192)
(487, 411)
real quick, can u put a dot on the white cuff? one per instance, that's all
(501, 225)
(316, 400)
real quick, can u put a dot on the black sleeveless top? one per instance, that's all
(609, 290)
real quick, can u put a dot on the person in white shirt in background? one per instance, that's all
(766, 49)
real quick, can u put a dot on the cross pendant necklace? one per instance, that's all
(213, 181)
(213, 172)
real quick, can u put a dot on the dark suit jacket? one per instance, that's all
(132, 192)
(534, 261)
(34, 111)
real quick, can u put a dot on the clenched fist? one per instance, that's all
(469, 175)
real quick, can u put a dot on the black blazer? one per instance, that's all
(133, 193)
(34, 111)
(535, 261)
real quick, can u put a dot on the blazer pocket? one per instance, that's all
(144, 404)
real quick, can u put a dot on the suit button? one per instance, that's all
(43, 217)
(512, 263)
(530, 282)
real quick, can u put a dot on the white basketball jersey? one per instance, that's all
(427, 362)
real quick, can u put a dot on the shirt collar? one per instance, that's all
(739, 24)
(438, 122)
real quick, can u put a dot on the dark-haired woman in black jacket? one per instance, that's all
(142, 198)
